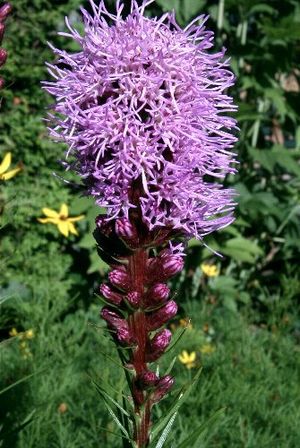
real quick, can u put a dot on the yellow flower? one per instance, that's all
(13, 332)
(29, 334)
(61, 220)
(4, 166)
(211, 270)
(188, 359)
(207, 349)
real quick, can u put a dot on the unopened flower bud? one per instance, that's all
(113, 319)
(161, 316)
(119, 278)
(134, 298)
(158, 345)
(125, 229)
(111, 295)
(4, 11)
(158, 293)
(124, 336)
(161, 340)
(162, 388)
(172, 264)
(147, 379)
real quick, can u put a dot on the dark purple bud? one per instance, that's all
(3, 56)
(111, 295)
(158, 318)
(172, 264)
(1, 83)
(161, 340)
(162, 388)
(124, 336)
(4, 11)
(134, 298)
(113, 319)
(119, 278)
(158, 345)
(125, 229)
(147, 379)
(158, 293)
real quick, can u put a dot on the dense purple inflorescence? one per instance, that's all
(143, 103)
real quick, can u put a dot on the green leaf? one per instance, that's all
(166, 431)
(104, 395)
(242, 249)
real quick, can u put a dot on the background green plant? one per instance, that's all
(47, 281)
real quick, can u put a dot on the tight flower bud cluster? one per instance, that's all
(134, 308)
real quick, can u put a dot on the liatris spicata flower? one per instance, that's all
(5, 10)
(143, 110)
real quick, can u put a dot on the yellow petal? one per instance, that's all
(72, 228)
(183, 357)
(5, 164)
(50, 213)
(192, 357)
(13, 332)
(48, 220)
(10, 174)
(63, 227)
(211, 270)
(64, 211)
(75, 218)
(29, 334)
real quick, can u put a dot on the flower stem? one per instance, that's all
(137, 324)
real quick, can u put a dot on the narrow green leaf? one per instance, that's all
(177, 339)
(25, 378)
(115, 419)
(104, 394)
(169, 369)
(166, 431)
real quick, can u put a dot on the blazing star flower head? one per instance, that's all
(143, 109)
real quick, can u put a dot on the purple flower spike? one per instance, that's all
(161, 316)
(111, 295)
(144, 103)
(144, 111)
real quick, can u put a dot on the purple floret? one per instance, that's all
(144, 103)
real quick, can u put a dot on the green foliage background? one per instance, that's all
(47, 281)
